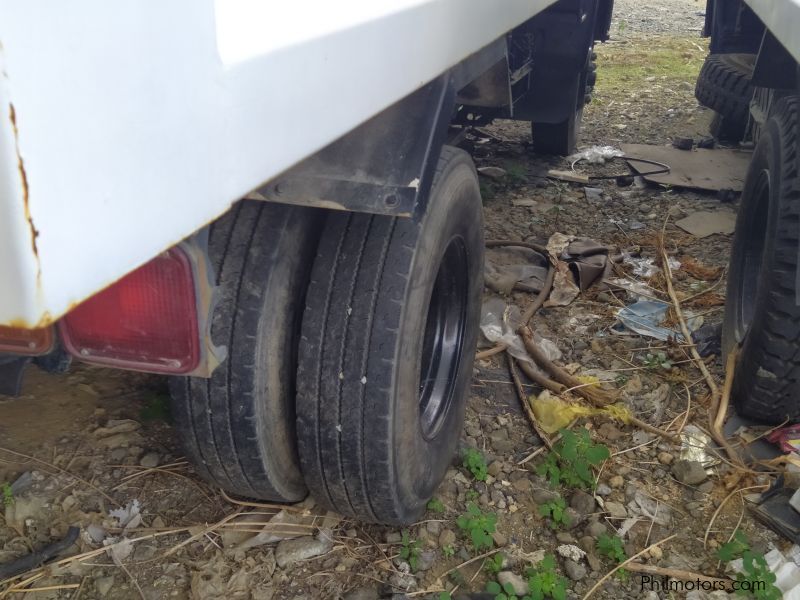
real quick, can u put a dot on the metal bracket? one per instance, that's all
(384, 166)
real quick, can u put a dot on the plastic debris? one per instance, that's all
(645, 317)
(695, 444)
(499, 324)
(552, 413)
(646, 267)
(596, 155)
(787, 438)
(129, 517)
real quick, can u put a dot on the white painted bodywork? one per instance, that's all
(138, 122)
(782, 18)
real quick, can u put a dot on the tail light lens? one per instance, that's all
(147, 321)
(28, 342)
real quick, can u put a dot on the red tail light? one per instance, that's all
(147, 321)
(29, 342)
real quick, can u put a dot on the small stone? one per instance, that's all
(706, 487)
(603, 489)
(656, 553)
(492, 172)
(499, 539)
(582, 502)
(616, 481)
(433, 527)
(150, 460)
(495, 468)
(616, 510)
(369, 592)
(447, 538)
(519, 584)
(683, 143)
(302, 548)
(665, 458)
(610, 432)
(103, 585)
(596, 529)
(542, 496)
(565, 537)
(594, 562)
(587, 543)
(393, 537)
(689, 472)
(575, 571)
(425, 560)
(522, 485)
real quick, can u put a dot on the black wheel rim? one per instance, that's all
(754, 242)
(443, 340)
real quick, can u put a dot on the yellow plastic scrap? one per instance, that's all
(552, 413)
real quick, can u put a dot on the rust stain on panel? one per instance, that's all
(25, 189)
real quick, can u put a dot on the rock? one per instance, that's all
(302, 548)
(706, 487)
(587, 543)
(114, 427)
(616, 510)
(616, 481)
(571, 552)
(697, 595)
(369, 592)
(656, 553)
(665, 458)
(594, 563)
(519, 584)
(542, 496)
(583, 503)
(522, 485)
(394, 537)
(689, 472)
(575, 571)
(495, 468)
(492, 172)
(574, 518)
(150, 460)
(609, 431)
(596, 529)
(683, 143)
(499, 539)
(565, 537)
(23, 511)
(103, 585)
(603, 489)
(425, 560)
(434, 527)
(120, 440)
(447, 538)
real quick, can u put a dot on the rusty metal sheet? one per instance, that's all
(717, 169)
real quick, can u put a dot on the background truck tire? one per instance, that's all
(762, 313)
(391, 321)
(238, 426)
(724, 85)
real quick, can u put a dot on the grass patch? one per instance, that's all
(622, 68)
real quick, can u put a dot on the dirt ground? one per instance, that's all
(94, 447)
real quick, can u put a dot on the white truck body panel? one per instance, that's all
(126, 126)
(782, 18)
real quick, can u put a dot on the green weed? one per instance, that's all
(475, 463)
(435, 505)
(8, 495)
(755, 572)
(478, 527)
(494, 564)
(610, 546)
(410, 551)
(556, 511)
(571, 460)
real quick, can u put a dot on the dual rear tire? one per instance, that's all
(350, 340)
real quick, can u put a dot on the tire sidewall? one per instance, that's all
(454, 211)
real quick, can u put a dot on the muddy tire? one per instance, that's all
(762, 313)
(238, 426)
(386, 352)
(724, 85)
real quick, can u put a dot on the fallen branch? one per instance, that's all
(526, 405)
